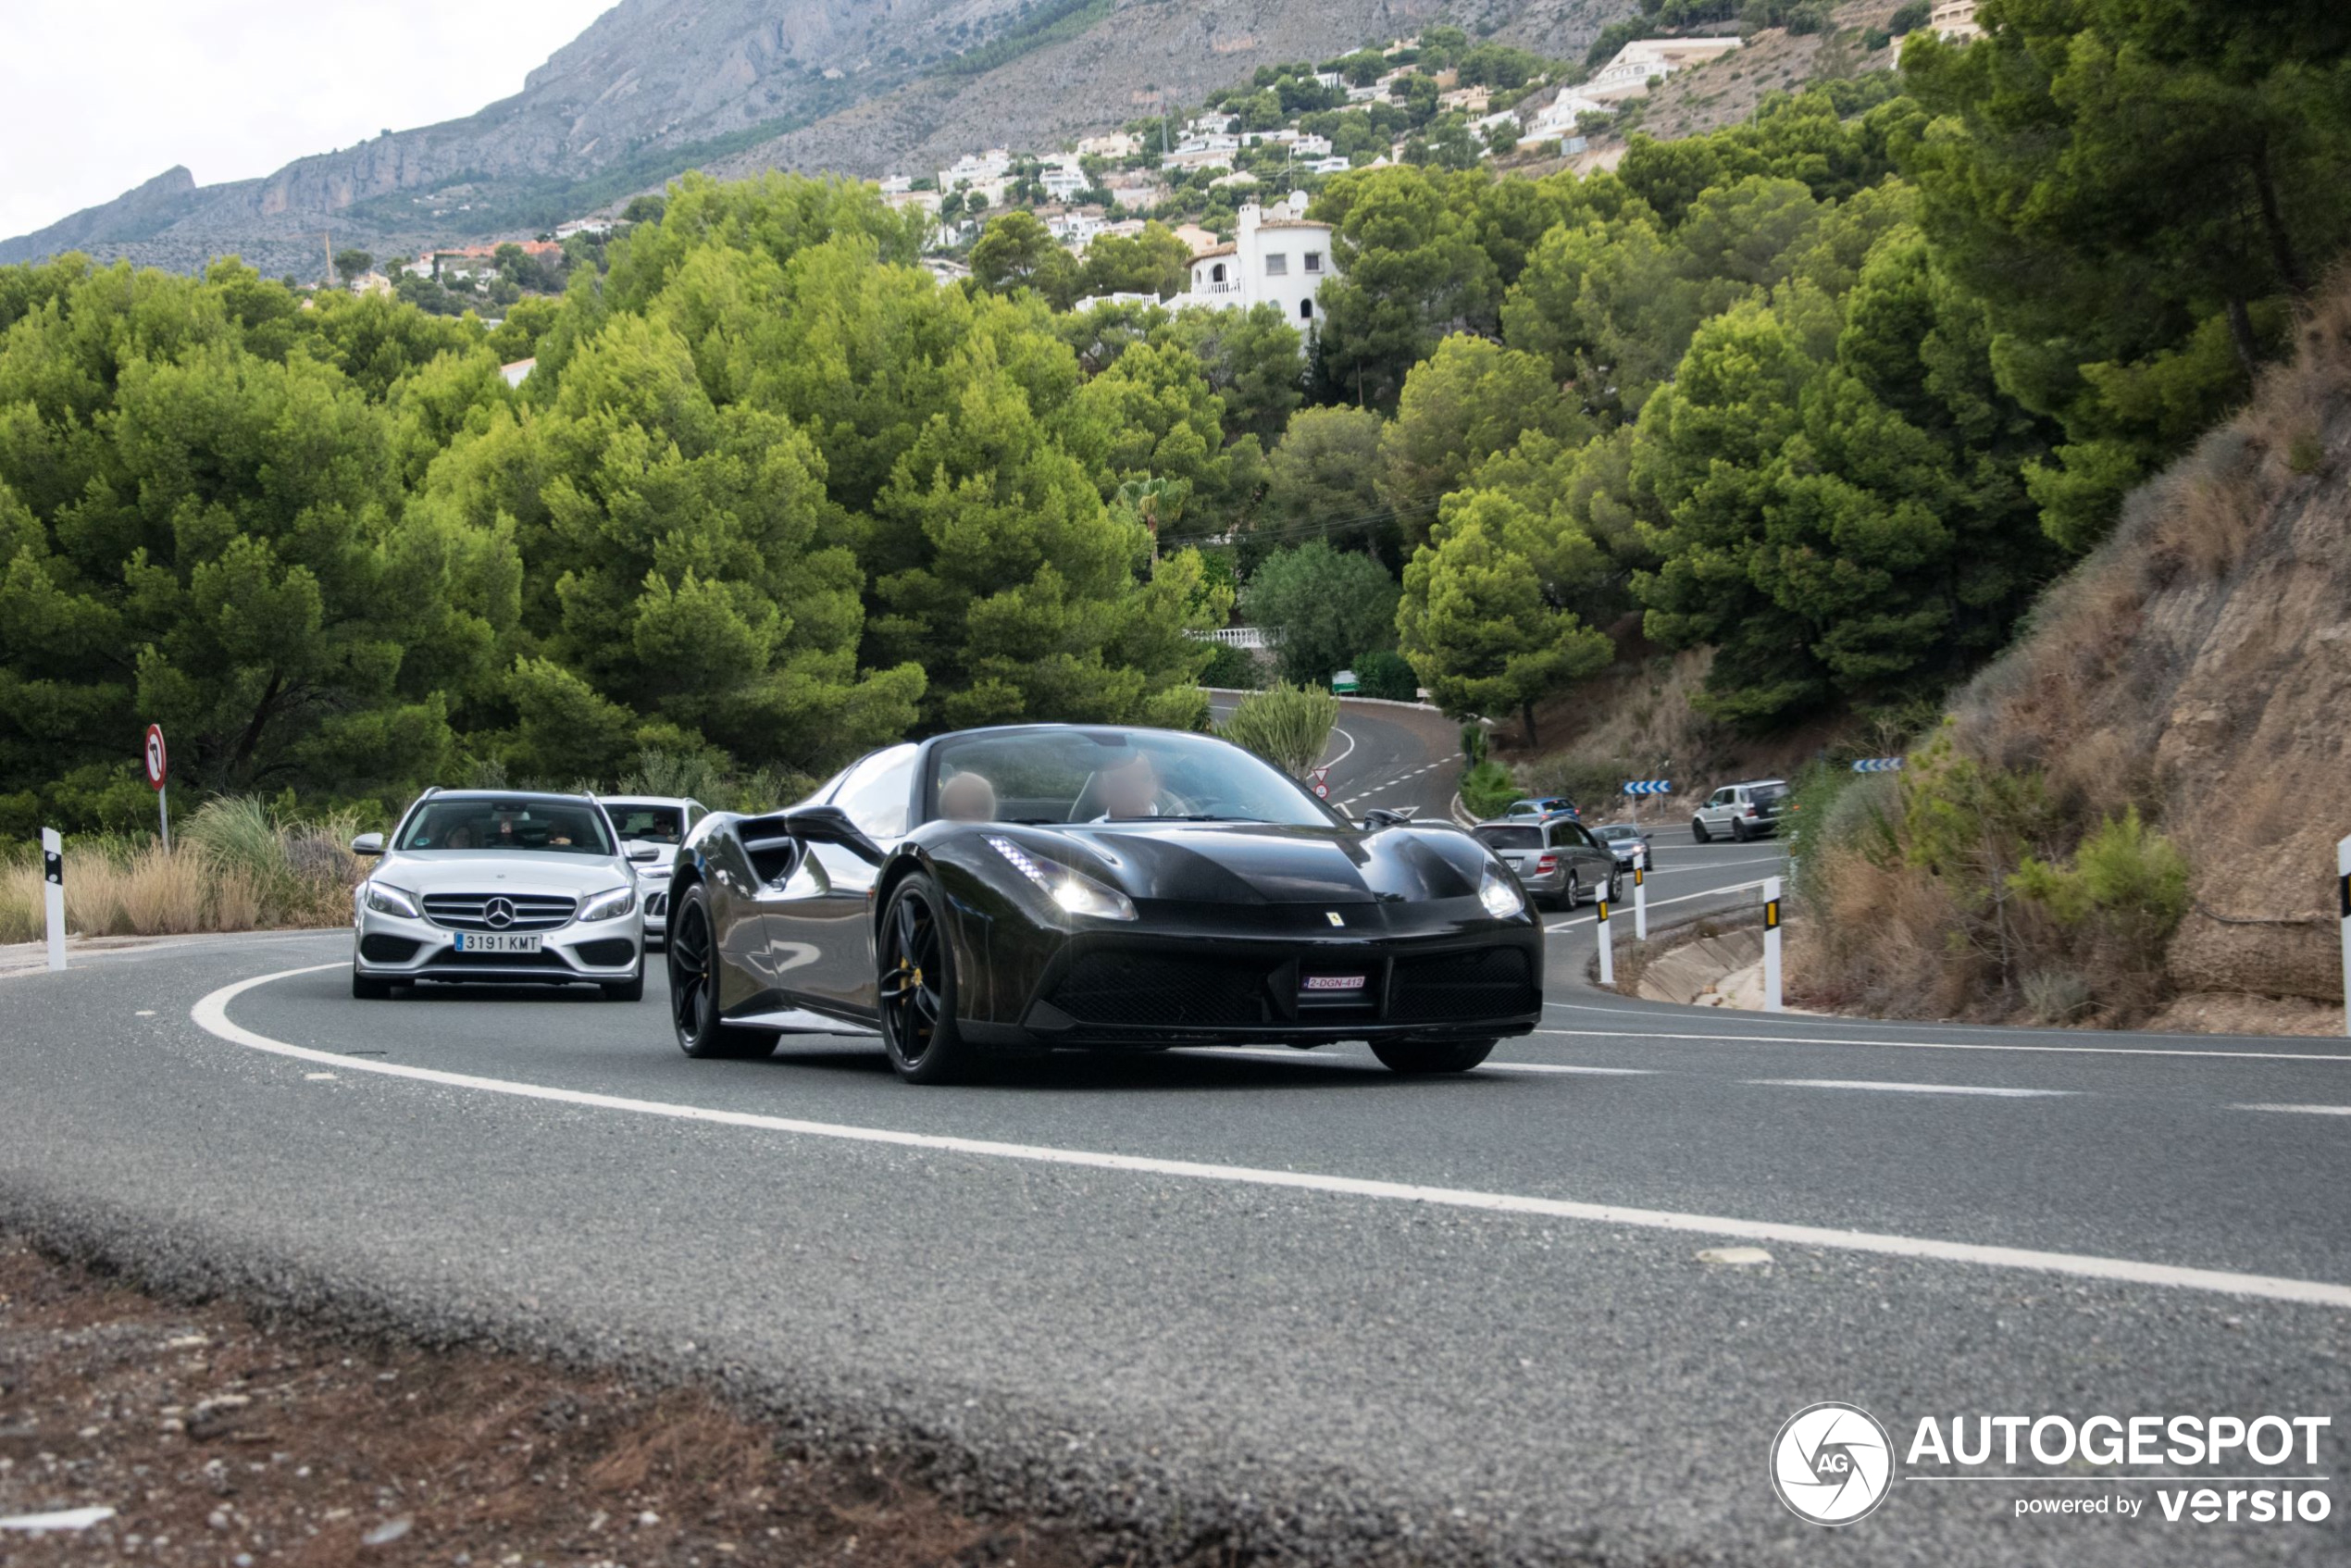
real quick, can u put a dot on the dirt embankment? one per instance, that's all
(202, 1435)
(2196, 670)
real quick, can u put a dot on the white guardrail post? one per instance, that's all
(1771, 944)
(1640, 892)
(52, 893)
(1608, 947)
(2343, 890)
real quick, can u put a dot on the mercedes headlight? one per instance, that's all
(384, 899)
(1499, 892)
(610, 904)
(1071, 891)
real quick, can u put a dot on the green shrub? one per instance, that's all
(1288, 725)
(1475, 742)
(2134, 881)
(1386, 673)
(1488, 790)
(1595, 784)
(1910, 17)
(1233, 669)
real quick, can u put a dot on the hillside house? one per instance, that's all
(1117, 144)
(1279, 259)
(1954, 21)
(1627, 76)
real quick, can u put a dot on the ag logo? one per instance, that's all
(1831, 1463)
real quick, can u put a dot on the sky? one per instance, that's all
(97, 96)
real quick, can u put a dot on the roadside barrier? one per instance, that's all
(2343, 885)
(1640, 892)
(1772, 999)
(53, 894)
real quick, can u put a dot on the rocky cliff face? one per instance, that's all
(2201, 663)
(654, 87)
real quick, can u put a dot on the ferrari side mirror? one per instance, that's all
(1380, 816)
(830, 825)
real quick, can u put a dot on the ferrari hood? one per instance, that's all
(1252, 862)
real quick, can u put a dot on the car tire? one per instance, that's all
(1613, 888)
(915, 987)
(1571, 897)
(365, 990)
(631, 989)
(1738, 830)
(1698, 832)
(693, 958)
(1420, 1057)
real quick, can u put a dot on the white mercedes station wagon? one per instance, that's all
(502, 886)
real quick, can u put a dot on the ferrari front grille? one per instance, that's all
(1494, 982)
(1145, 989)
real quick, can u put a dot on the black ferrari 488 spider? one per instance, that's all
(1049, 886)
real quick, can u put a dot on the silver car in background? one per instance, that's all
(502, 886)
(1623, 838)
(661, 824)
(1558, 862)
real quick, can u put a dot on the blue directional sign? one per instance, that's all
(1878, 764)
(1649, 787)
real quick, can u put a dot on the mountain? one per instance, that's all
(861, 87)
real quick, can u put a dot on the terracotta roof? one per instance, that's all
(1225, 249)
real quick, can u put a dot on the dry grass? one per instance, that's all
(287, 874)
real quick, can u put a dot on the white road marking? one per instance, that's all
(1951, 1045)
(211, 1013)
(1337, 1059)
(1710, 892)
(1334, 761)
(317, 1078)
(2300, 1110)
(1907, 1088)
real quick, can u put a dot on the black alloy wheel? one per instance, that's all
(692, 957)
(916, 988)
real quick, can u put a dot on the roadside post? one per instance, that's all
(158, 767)
(1771, 944)
(2343, 887)
(1608, 947)
(53, 894)
(1640, 892)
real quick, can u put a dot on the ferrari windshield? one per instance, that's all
(1110, 775)
(506, 824)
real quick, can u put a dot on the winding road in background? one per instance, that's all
(1289, 1295)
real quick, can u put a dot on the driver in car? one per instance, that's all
(967, 797)
(1131, 789)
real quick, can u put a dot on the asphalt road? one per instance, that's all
(1264, 1296)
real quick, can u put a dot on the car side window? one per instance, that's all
(1722, 798)
(877, 794)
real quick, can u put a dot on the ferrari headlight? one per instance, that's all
(1500, 894)
(1071, 891)
(385, 898)
(611, 904)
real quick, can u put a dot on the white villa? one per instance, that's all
(1627, 76)
(1281, 259)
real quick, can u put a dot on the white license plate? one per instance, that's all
(1335, 982)
(496, 941)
